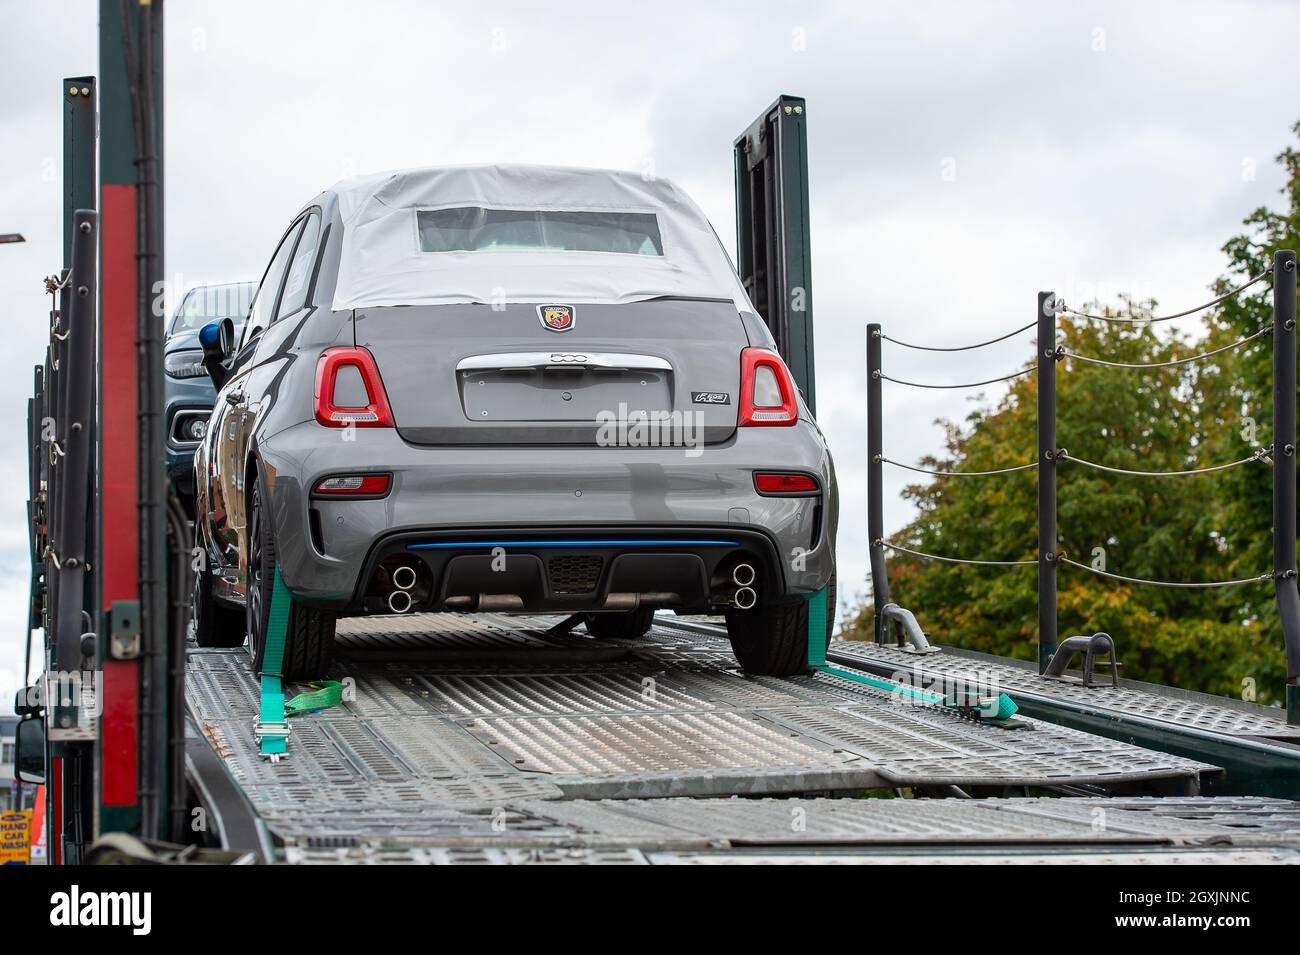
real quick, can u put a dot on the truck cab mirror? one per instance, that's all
(27, 701)
(29, 746)
(218, 341)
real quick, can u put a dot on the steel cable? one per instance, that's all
(969, 384)
(1018, 467)
(1260, 455)
(1167, 583)
(991, 341)
(954, 560)
(1166, 364)
(1165, 318)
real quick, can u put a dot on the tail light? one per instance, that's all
(767, 395)
(352, 485)
(784, 484)
(349, 390)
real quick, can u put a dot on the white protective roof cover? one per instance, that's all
(382, 263)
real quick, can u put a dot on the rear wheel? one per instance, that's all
(626, 624)
(309, 636)
(773, 640)
(215, 625)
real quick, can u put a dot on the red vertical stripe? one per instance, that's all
(119, 733)
(40, 827)
(54, 841)
(118, 379)
(119, 573)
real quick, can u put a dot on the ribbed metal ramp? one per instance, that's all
(870, 831)
(490, 739)
(1172, 707)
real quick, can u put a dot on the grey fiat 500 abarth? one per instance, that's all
(510, 389)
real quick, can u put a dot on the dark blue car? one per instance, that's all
(189, 394)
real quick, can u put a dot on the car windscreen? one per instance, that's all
(209, 303)
(477, 229)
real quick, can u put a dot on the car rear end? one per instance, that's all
(478, 461)
(556, 398)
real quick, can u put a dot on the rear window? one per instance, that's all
(475, 229)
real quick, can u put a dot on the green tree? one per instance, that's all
(1199, 528)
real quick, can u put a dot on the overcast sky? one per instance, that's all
(963, 156)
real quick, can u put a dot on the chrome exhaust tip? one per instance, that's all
(744, 598)
(399, 601)
(743, 575)
(404, 577)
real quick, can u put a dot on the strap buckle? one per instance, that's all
(274, 728)
(271, 730)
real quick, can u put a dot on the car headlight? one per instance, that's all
(184, 364)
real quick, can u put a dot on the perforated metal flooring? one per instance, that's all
(711, 831)
(1185, 711)
(488, 739)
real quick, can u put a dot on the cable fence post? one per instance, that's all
(1046, 478)
(1284, 471)
(875, 489)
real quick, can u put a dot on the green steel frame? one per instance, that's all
(133, 779)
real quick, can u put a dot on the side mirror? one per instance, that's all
(218, 341)
(27, 701)
(29, 757)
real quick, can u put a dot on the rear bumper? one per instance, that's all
(568, 569)
(327, 549)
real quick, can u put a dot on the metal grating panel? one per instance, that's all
(826, 821)
(525, 695)
(488, 739)
(381, 855)
(1208, 857)
(652, 744)
(1225, 719)
(841, 831)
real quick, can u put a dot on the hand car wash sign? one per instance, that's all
(15, 837)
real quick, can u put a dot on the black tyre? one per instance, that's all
(773, 640)
(309, 637)
(215, 625)
(627, 624)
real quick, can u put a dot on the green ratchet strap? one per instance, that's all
(901, 689)
(818, 638)
(1006, 706)
(322, 695)
(817, 635)
(271, 730)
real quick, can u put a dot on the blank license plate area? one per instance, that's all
(562, 394)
